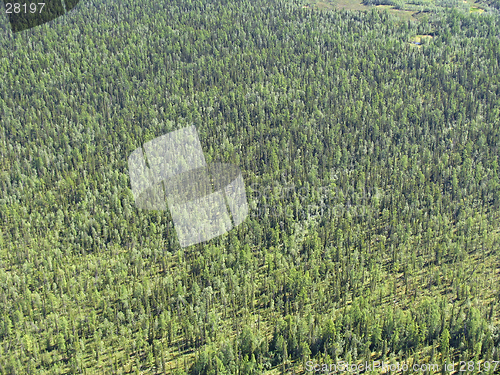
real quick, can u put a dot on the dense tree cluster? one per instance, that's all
(372, 173)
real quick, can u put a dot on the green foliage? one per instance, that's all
(372, 175)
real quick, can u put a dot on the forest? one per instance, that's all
(372, 173)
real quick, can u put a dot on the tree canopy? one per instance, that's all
(371, 167)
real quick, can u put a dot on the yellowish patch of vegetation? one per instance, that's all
(421, 38)
(351, 5)
(418, 40)
(476, 10)
(403, 14)
(324, 5)
(317, 4)
(357, 5)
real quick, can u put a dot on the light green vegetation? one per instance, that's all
(404, 9)
(419, 40)
(403, 14)
(323, 5)
(358, 5)
(350, 5)
(398, 146)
